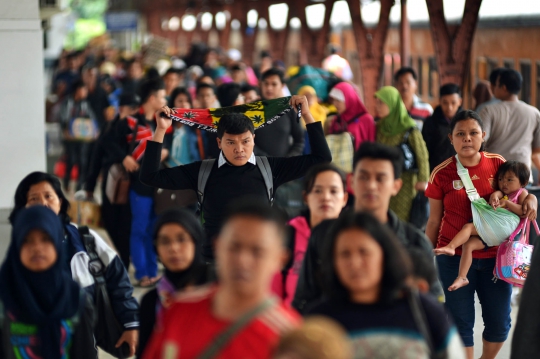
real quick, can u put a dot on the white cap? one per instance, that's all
(337, 94)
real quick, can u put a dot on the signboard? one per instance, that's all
(121, 21)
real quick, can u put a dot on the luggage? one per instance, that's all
(514, 257)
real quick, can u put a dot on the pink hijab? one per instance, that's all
(354, 106)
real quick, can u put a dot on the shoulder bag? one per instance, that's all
(108, 330)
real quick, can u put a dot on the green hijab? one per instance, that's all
(398, 120)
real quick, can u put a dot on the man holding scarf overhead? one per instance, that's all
(236, 172)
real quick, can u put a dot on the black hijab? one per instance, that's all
(196, 273)
(40, 298)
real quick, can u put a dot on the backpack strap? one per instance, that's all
(266, 171)
(204, 173)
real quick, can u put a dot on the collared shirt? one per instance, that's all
(222, 160)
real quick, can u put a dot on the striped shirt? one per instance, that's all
(189, 326)
(445, 185)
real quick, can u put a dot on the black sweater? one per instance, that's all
(230, 182)
(435, 132)
(275, 139)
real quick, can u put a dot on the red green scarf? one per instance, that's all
(261, 113)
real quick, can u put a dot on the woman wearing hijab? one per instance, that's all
(177, 238)
(392, 128)
(43, 189)
(43, 313)
(352, 114)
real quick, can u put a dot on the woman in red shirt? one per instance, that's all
(450, 210)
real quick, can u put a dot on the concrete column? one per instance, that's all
(22, 101)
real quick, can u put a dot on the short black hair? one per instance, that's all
(254, 208)
(494, 75)
(313, 172)
(274, 71)
(396, 262)
(449, 89)
(234, 124)
(228, 93)
(247, 87)
(465, 115)
(179, 91)
(149, 87)
(511, 79)
(378, 151)
(520, 169)
(404, 70)
(21, 194)
(204, 85)
(423, 265)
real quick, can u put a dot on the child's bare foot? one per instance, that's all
(447, 251)
(458, 283)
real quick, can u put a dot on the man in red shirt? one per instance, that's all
(239, 317)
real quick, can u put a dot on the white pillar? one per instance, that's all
(22, 104)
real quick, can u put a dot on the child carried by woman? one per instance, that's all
(511, 178)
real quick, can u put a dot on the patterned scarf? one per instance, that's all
(142, 136)
(261, 113)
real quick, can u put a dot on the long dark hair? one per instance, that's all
(21, 194)
(195, 274)
(177, 92)
(396, 262)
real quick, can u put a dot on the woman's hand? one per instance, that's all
(163, 122)
(130, 164)
(530, 207)
(131, 337)
(420, 186)
(303, 102)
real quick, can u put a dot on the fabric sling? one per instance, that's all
(261, 113)
(493, 226)
(228, 334)
(262, 163)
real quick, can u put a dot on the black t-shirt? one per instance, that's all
(390, 331)
(228, 182)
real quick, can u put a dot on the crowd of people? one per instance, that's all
(343, 234)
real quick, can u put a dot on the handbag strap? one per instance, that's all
(228, 334)
(419, 316)
(463, 173)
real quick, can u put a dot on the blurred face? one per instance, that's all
(374, 184)
(37, 251)
(467, 138)
(327, 197)
(509, 182)
(271, 87)
(237, 149)
(450, 105)
(182, 101)
(175, 247)
(251, 96)
(358, 262)
(158, 100)
(249, 253)
(43, 194)
(172, 81)
(381, 108)
(406, 85)
(340, 105)
(206, 97)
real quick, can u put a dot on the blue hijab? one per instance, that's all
(40, 298)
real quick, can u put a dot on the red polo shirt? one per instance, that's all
(446, 185)
(188, 327)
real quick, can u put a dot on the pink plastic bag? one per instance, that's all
(514, 257)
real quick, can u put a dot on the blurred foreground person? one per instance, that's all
(239, 317)
(366, 270)
(43, 313)
(178, 238)
(317, 338)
